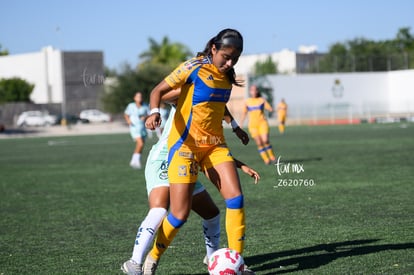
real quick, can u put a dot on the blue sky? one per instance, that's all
(121, 28)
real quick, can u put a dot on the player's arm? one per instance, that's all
(268, 107)
(154, 119)
(127, 116)
(248, 170)
(241, 134)
(171, 97)
(127, 119)
(243, 115)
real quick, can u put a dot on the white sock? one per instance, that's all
(136, 157)
(146, 233)
(211, 230)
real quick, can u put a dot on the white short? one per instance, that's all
(156, 172)
(137, 132)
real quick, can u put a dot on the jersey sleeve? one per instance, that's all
(128, 110)
(180, 75)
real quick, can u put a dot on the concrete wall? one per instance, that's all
(345, 95)
(401, 91)
(84, 80)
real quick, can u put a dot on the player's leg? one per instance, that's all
(226, 179)
(264, 137)
(261, 148)
(136, 158)
(281, 126)
(158, 202)
(221, 170)
(182, 174)
(254, 133)
(204, 206)
(180, 205)
(158, 199)
(147, 229)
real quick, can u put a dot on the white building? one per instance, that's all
(43, 69)
(285, 60)
(345, 97)
(64, 82)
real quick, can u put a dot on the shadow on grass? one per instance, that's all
(326, 254)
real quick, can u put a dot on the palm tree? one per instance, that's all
(165, 53)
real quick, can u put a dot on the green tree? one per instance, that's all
(3, 51)
(404, 40)
(404, 43)
(265, 67)
(166, 53)
(261, 69)
(15, 89)
(156, 63)
(360, 54)
(119, 93)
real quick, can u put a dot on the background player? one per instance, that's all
(135, 114)
(258, 126)
(281, 115)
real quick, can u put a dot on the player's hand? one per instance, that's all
(242, 135)
(251, 172)
(153, 121)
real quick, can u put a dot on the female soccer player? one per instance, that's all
(281, 115)
(135, 114)
(197, 140)
(258, 125)
(158, 196)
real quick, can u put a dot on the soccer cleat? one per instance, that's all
(136, 165)
(130, 267)
(205, 260)
(248, 271)
(150, 265)
(271, 162)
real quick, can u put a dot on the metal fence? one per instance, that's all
(318, 63)
(343, 114)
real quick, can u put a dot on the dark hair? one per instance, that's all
(225, 38)
(258, 93)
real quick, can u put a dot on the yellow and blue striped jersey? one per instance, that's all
(200, 108)
(255, 107)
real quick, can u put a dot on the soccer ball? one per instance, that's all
(225, 261)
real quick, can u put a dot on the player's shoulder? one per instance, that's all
(249, 100)
(194, 62)
(130, 106)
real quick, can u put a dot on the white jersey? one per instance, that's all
(136, 114)
(160, 149)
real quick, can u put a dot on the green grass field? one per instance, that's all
(342, 204)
